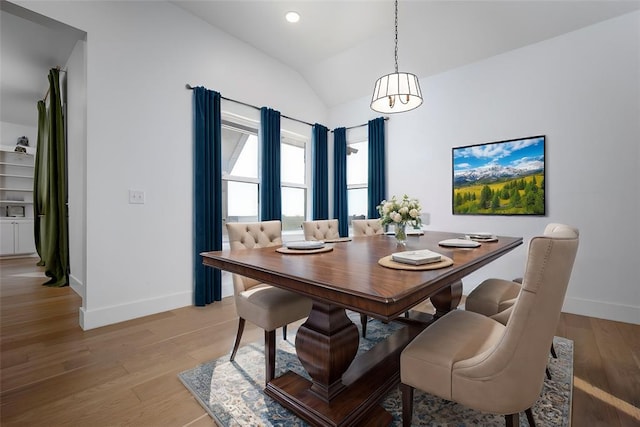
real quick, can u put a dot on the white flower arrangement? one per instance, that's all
(405, 211)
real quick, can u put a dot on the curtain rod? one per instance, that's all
(364, 124)
(188, 86)
(47, 94)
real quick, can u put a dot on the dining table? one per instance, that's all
(355, 274)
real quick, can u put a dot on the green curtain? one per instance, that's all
(39, 175)
(51, 187)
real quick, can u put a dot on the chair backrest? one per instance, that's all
(550, 229)
(366, 227)
(522, 351)
(321, 229)
(249, 235)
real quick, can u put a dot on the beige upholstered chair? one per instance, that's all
(264, 305)
(321, 229)
(366, 227)
(483, 364)
(496, 297)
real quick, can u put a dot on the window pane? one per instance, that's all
(292, 161)
(293, 208)
(358, 163)
(357, 200)
(242, 202)
(239, 153)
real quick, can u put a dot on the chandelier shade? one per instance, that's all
(396, 92)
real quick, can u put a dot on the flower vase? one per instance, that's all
(401, 233)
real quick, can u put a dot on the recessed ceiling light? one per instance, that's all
(292, 16)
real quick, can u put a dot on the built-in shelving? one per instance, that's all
(16, 203)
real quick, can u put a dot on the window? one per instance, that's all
(357, 179)
(241, 179)
(294, 178)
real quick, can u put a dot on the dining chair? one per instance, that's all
(264, 305)
(321, 229)
(496, 297)
(483, 364)
(366, 227)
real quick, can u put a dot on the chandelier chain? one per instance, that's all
(396, 50)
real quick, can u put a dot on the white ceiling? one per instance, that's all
(339, 47)
(342, 47)
(30, 45)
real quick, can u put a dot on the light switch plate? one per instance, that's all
(136, 197)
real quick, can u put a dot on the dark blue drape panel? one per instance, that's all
(207, 186)
(340, 205)
(270, 192)
(320, 172)
(377, 191)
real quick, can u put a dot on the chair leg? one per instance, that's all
(553, 351)
(270, 355)
(284, 332)
(407, 404)
(363, 322)
(512, 420)
(529, 414)
(238, 337)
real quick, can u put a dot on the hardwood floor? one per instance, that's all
(54, 374)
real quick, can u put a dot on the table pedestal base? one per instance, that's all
(369, 378)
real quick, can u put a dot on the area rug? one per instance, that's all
(232, 392)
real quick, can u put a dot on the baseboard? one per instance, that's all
(90, 319)
(602, 310)
(77, 286)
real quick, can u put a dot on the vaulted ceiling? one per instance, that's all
(339, 47)
(342, 47)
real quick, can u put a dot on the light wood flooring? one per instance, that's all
(55, 374)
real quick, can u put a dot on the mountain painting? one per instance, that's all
(500, 178)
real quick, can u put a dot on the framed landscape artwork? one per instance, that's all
(500, 178)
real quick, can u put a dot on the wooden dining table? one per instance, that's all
(345, 389)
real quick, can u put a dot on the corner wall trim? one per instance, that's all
(602, 310)
(95, 318)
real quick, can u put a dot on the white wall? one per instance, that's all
(139, 57)
(581, 90)
(76, 114)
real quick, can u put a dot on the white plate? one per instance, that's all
(482, 234)
(409, 231)
(459, 243)
(305, 244)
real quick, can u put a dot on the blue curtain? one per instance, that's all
(270, 191)
(207, 185)
(340, 205)
(320, 172)
(377, 167)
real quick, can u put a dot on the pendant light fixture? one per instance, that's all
(396, 92)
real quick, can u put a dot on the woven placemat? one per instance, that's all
(285, 250)
(389, 263)
(338, 240)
